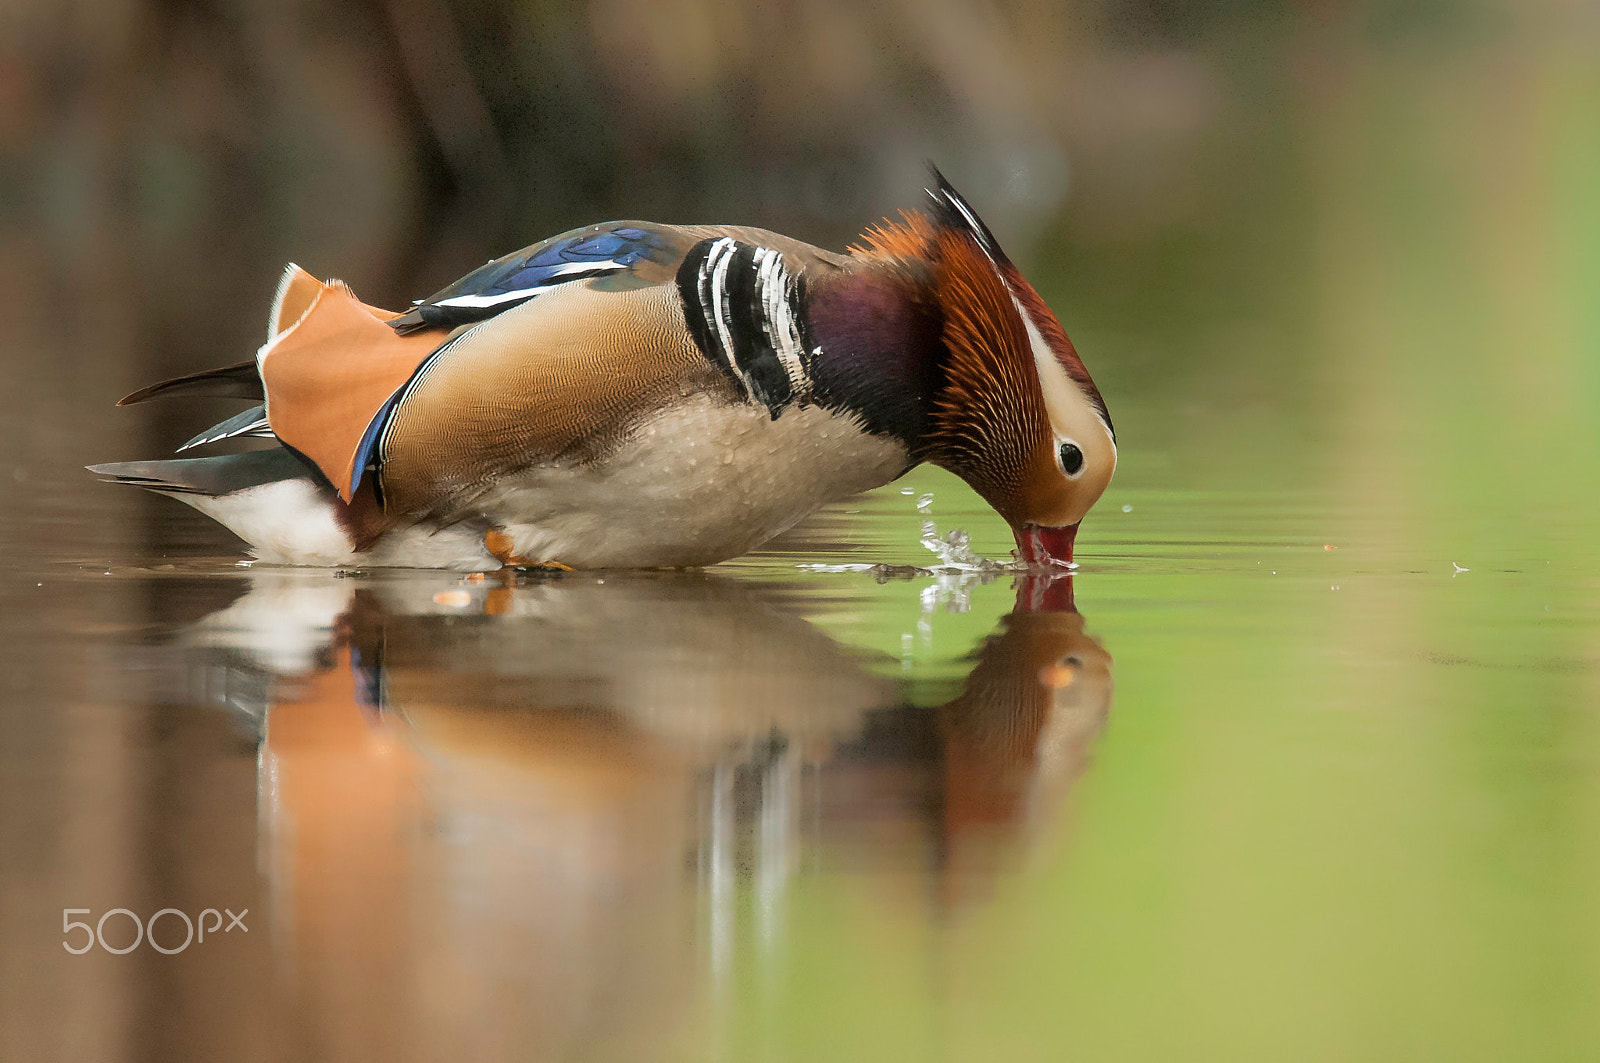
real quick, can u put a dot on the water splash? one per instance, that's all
(958, 570)
(954, 551)
(954, 548)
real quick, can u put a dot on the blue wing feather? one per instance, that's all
(545, 263)
(509, 281)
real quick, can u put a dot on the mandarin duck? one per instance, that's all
(635, 394)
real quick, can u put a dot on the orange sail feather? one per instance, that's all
(329, 372)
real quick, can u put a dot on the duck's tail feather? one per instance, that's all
(251, 424)
(241, 381)
(214, 477)
(268, 498)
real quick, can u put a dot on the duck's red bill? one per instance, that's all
(1046, 547)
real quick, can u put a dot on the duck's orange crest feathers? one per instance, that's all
(330, 366)
(910, 237)
(987, 354)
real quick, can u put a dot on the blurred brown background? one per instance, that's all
(159, 162)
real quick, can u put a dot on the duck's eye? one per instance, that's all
(1071, 459)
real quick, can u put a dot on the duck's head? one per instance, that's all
(1015, 413)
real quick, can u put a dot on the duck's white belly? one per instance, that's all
(296, 522)
(701, 483)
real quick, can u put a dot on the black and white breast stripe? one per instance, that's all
(743, 309)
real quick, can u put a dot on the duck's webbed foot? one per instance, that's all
(501, 548)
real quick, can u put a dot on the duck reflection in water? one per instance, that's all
(542, 814)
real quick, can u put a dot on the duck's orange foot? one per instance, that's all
(499, 545)
(543, 566)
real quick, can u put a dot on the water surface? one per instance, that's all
(1290, 780)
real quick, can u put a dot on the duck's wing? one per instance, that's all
(621, 254)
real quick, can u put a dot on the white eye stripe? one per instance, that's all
(1064, 403)
(1058, 388)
